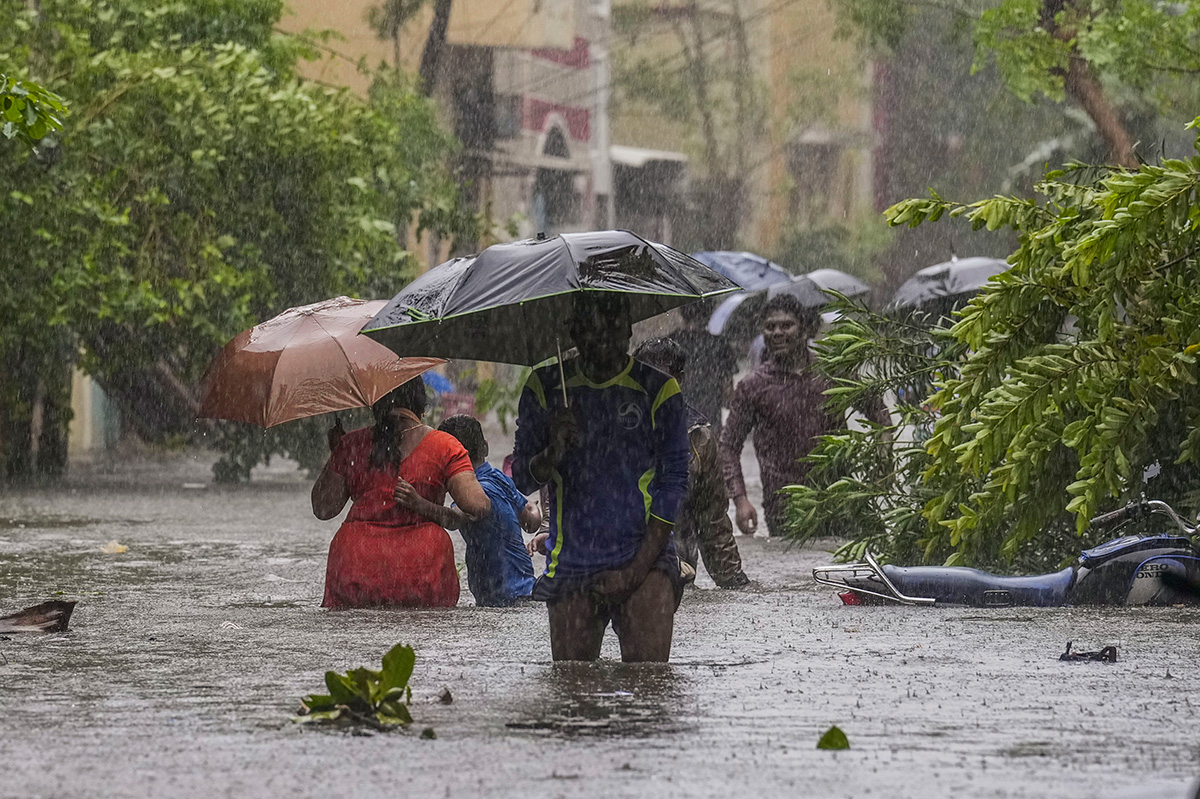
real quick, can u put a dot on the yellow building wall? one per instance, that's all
(488, 23)
(816, 85)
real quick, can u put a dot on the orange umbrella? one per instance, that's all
(306, 361)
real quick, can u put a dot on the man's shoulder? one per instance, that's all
(650, 378)
(756, 378)
(543, 382)
(495, 481)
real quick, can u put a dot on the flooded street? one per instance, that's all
(188, 654)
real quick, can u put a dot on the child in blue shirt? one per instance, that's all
(499, 569)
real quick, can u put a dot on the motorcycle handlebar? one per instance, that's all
(1130, 511)
(1135, 509)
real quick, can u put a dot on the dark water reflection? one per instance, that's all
(606, 699)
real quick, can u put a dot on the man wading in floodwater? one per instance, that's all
(781, 403)
(616, 461)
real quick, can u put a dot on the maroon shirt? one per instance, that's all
(784, 410)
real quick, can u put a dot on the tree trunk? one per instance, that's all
(435, 45)
(35, 412)
(1083, 86)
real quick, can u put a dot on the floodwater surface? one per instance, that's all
(188, 654)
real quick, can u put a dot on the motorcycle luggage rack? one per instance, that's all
(836, 576)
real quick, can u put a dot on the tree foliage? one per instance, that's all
(1066, 387)
(200, 187)
(718, 99)
(865, 482)
(1109, 58)
(28, 111)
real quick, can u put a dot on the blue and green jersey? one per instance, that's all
(632, 463)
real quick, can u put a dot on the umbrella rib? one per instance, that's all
(349, 363)
(271, 387)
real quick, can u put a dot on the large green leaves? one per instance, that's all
(377, 698)
(28, 111)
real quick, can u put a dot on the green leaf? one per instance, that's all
(397, 667)
(833, 738)
(344, 690)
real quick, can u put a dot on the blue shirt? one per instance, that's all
(631, 465)
(499, 570)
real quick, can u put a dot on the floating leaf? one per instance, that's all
(833, 738)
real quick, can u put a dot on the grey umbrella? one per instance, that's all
(836, 280)
(954, 278)
(511, 303)
(736, 315)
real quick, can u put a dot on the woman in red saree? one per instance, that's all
(392, 549)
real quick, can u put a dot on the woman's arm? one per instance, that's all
(407, 497)
(470, 497)
(329, 494)
(473, 503)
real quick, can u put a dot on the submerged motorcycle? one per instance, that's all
(1133, 570)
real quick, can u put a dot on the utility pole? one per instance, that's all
(602, 171)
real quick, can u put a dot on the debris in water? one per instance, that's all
(114, 548)
(834, 738)
(1106, 655)
(377, 699)
(48, 617)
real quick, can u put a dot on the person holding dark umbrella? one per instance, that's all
(612, 444)
(712, 364)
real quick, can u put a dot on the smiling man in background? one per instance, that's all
(781, 403)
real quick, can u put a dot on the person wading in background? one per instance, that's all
(499, 570)
(781, 403)
(616, 458)
(712, 363)
(703, 527)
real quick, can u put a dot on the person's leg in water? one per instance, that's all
(774, 515)
(647, 620)
(577, 624)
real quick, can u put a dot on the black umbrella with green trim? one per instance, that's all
(511, 303)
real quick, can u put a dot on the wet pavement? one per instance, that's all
(189, 651)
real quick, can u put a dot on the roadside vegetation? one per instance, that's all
(199, 186)
(1065, 388)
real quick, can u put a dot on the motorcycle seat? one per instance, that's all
(963, 586)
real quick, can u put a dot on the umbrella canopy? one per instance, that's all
(306, 361)
(511, 303)
(750, 271)
(735, 316)
(953, 278)
(836, 280)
